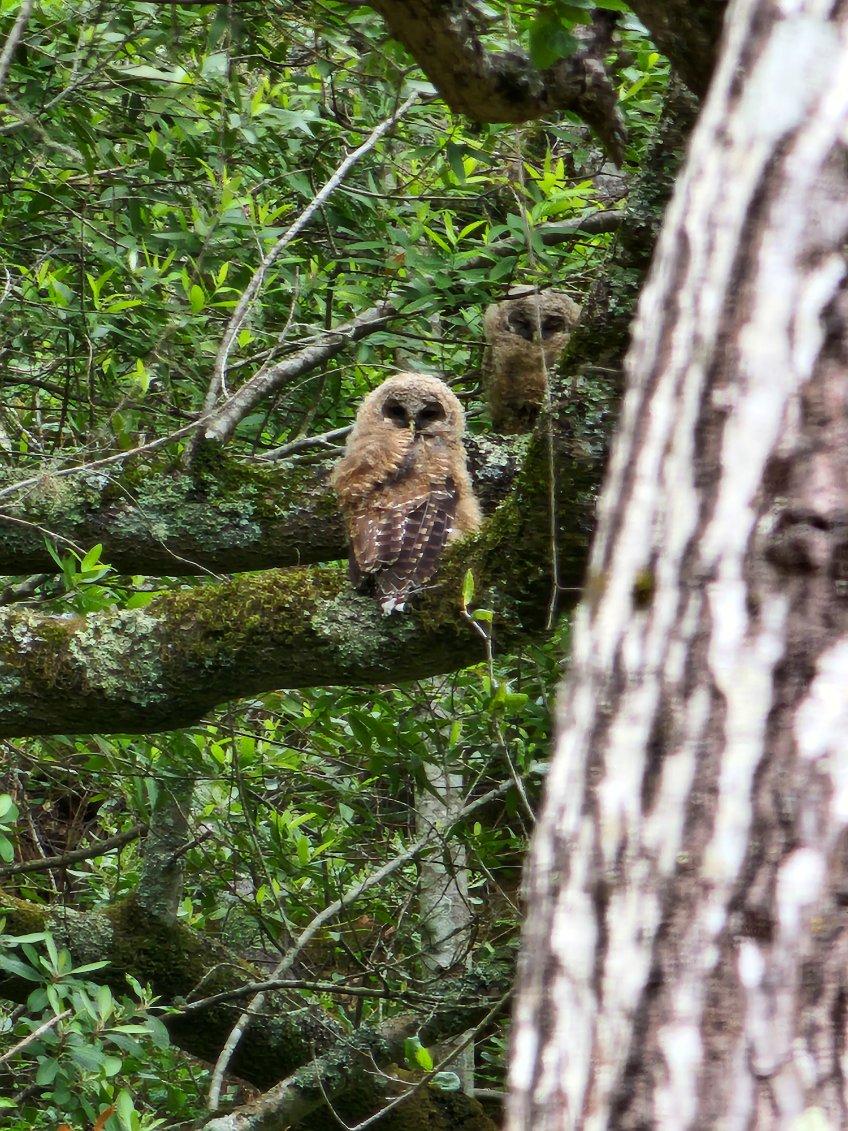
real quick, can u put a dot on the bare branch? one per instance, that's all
(74, 857)
(13, 39)
(49, 1024)
(251, 291)
(324, 440)
(223, 423)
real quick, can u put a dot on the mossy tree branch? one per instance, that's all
(227, 517)
(163, 665)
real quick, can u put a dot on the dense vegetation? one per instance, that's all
(150, 154)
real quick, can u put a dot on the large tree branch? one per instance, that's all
(443, 36)
(163, 665)
(227, 517)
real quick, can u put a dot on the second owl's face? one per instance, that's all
(523, 323)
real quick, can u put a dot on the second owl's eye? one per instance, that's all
(521, 326)
(396, 413)
(552, 326)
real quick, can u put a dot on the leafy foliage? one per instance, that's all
(84, 1054)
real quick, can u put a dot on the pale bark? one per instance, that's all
(445, 913)
(160, 885)
(686, 951)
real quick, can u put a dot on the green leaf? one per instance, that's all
(47, 1072)
(550, 41)
(112, 1065)
(91, 558)
(215, 65)
(89, 1057)
(467, 589)
(454, 154)
(15, 966)
(423, 1058)
(105, 1003)
(125, 1108)
(416, 1055)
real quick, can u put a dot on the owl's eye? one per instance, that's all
(552, 325)
(395, 412)
(429, 414)
(520, 325)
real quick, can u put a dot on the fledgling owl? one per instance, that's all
(403, 486)
(513, 373)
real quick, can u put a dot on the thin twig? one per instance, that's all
(34, 1035)
(14, 38)
(325, 439)
(248, 297)
(407, 996)
(15, 521)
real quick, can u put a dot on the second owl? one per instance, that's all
(403, 486)
(522, 344)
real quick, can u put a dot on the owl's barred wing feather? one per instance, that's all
(399, 544)
(424, 535)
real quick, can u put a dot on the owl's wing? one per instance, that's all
(400, 543)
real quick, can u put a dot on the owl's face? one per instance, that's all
(522, 322)
(421, 405)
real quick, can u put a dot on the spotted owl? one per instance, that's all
(513, 369)
(403, 486)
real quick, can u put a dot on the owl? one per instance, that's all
(513, 372)
(403, 486)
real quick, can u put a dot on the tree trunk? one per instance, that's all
(686, 951)
(444, 910)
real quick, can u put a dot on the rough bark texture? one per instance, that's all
(444, 38)
(686, 953)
